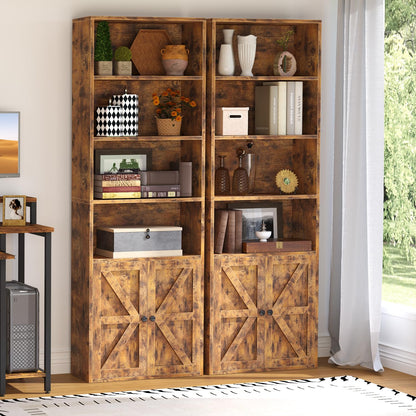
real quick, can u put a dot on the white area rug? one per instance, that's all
(340, 396)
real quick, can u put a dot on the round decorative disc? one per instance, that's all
(287, 181)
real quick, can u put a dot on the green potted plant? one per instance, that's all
(122, 61)
(103, 52)
(285, 62)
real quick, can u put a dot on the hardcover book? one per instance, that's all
(290, 108)
(229, 242)
(185, 178)
(117, 176)
(100, 183)
(160, 177)
(221, 219)
(116, 195)
(100, 189)
(161, 191)
(265, 112)
(281, 105)
(275, 245)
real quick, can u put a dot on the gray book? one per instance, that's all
(265, 113)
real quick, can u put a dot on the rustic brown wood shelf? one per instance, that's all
(147, 139)
(34, 374)
(163, 297)
(261, 309)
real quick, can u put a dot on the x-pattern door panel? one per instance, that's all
(120, 333)
(148, 319)
(238, 323)
(264, 313)
(291, 296)
(176, 303)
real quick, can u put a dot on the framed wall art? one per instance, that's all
(122, 161)
(9, 144)
(14, 210)
(253, 216)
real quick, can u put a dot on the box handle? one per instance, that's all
(235, 115)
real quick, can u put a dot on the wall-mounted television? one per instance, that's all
(9, 144)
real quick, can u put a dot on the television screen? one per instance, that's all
(9, 144)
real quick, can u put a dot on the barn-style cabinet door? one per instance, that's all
(263, 312)
(147, 318)
(291, 311)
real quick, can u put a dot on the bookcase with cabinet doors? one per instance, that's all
(137, 317)
(261, 308)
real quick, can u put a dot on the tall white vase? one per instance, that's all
(228, 35)
(246, 54)
(226, 60)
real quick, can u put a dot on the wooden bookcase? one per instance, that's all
(138, 317)
(144, 317)
(261, 309)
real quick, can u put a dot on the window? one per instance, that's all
(399, 257)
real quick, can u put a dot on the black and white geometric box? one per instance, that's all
(109, 121)
(129, 104)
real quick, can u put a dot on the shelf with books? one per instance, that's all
(180, 275)
(235, 279)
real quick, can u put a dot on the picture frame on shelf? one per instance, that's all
(14, 210)
(123, 161)
(9, 144)
(254, 213)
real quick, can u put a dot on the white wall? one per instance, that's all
(35, 79)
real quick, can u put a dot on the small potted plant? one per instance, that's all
(169, 111)
(103, 52)
(285, 62)
(122, 61)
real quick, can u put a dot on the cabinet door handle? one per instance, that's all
(153, 318)
(144, 318)
(262, 312)
(270, 312)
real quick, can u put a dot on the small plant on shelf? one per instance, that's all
(103, 52)
(169, 104)
(122, 53)
(169, 111)
(122, 64)
(285, 62)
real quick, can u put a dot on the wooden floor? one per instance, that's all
(66, 384)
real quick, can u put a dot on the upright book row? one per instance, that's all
(279, 108)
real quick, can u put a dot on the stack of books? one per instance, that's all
(161, 184)
(279, 108)
(117, 185)
(228, 234)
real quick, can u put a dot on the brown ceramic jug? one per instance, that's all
(174, 59)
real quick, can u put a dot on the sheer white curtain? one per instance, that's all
(356, 275)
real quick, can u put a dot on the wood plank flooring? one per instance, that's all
(66, 384)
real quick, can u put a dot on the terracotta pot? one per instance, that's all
(174, 59)
(168, 127)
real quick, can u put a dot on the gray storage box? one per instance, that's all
(22, 303)
(152, 241)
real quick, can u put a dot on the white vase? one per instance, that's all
(228, 36)
(226, 60)
(246, 54)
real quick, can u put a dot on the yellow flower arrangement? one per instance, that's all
(169, 104)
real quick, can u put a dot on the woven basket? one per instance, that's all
(168, 127)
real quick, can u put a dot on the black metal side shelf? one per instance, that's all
(45, 232)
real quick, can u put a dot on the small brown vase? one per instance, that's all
(174, 59)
